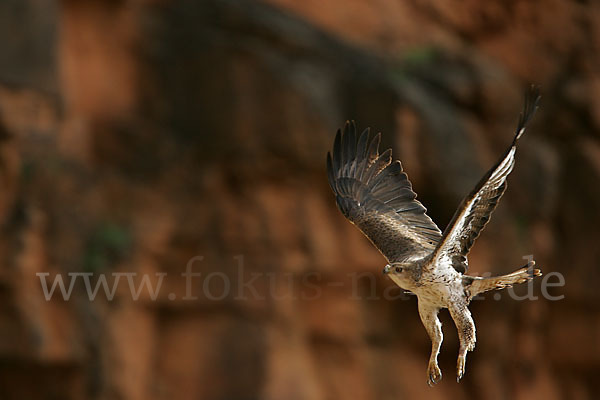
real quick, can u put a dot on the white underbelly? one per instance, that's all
(437, 289)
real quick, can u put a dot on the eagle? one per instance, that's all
(375, 194)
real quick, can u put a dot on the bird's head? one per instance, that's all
(403, 274)
(396, 268)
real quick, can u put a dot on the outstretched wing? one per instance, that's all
(375, 194)
(474, 212)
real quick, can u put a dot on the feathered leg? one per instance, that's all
(466, 334)
(429, 317)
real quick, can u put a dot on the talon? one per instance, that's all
(460, 368)
(435, 375)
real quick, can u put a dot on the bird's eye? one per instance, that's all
(398, 269)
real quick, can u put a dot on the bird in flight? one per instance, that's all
(375, 195)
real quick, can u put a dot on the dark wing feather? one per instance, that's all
(375, 194)
(474, 212)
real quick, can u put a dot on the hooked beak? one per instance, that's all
(387, 269)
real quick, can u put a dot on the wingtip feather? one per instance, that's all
(330, 172)
(530, 106)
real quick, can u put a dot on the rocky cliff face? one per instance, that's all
(165, 138)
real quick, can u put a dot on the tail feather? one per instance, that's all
(476, 285)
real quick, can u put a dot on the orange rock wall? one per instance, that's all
(137, 135)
